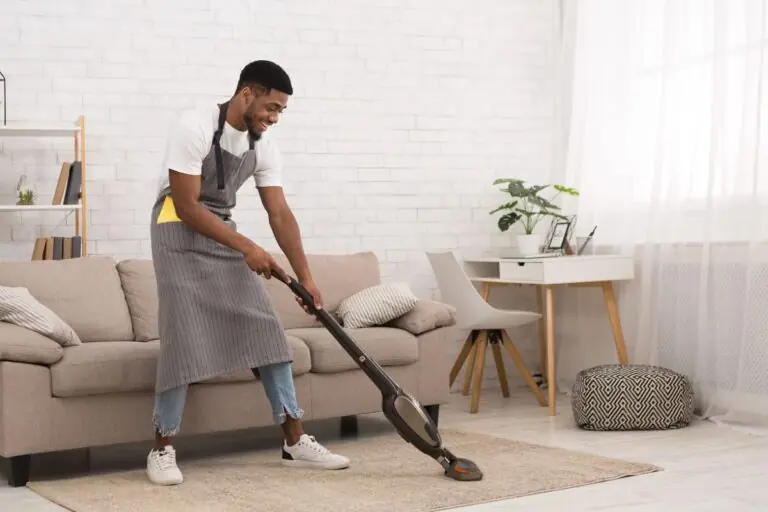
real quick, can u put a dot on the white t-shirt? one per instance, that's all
(191, 138)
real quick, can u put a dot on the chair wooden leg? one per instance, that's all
(477, 374)
(470, 367)
(500, 367)
(465, 350)
(613, 316)
(518, 360)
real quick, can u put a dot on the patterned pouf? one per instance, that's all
(633, 397)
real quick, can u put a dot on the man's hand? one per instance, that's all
(314, 292)
(262, 262)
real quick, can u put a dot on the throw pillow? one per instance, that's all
(19, 307)
(426, 316)
(376, 305)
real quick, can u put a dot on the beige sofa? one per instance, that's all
(101, 392)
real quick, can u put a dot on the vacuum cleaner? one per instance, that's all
(402, 410)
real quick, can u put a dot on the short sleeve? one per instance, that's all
(187, 145)
(269, 166)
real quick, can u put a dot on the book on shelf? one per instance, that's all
(68, 191)
(74, 184)
(38, 252)
(57, 248)
(61, 185)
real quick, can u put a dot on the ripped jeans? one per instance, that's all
(277, 380)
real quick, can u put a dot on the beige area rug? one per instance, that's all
(386, 474)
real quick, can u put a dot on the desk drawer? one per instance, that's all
(522, 271)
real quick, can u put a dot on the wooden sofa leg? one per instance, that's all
(18, 470)
(349, 426)
(434, 412)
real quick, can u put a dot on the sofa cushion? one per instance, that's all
(425, 316)
(102, 367)
(386, 345)
(121, 366)
(376, 305)
(19, 307)
(85, 292)
(337, 277)
(140, 288)
(24, 346)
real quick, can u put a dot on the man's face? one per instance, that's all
(262, 109)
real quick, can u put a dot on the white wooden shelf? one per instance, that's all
(38, 131)
(43, 246)
(38, 207)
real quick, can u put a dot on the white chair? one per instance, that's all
(486, 325)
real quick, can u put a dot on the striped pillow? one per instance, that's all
(376, 305)
(19, 307)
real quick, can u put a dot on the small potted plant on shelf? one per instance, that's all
(26, 195)
(528, 207)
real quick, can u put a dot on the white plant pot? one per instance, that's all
(528, 245)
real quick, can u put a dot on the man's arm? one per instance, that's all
(185, 190)
(285, 229)
(188, 143)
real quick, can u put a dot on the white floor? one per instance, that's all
(707, 468)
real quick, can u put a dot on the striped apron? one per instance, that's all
(215, 316)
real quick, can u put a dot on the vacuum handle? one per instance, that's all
(296, 288)
(383, 381)
(302, 293)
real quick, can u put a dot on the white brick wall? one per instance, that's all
(404, 113)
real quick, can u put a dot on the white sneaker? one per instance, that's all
(308, 453)
(162, 468)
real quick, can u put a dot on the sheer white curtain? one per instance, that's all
(665, 124)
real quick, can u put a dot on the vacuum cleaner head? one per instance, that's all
(416, 427)
(408, 417)
(464, 470)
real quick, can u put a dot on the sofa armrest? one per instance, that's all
(425, 316)
(22, 345)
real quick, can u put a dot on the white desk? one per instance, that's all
(545, 273)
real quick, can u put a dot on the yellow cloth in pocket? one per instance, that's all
(168, 212)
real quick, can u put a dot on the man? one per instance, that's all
(215, 315)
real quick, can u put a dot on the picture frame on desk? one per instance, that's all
(559, 235)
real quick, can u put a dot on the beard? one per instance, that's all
(250, 125)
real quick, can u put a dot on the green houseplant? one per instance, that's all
(528, 208)
(26, 196)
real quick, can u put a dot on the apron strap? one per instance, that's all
(217, 146)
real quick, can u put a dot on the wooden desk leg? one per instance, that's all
(613, 316)
(550, 309)
(542, 335)
(485, 290)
